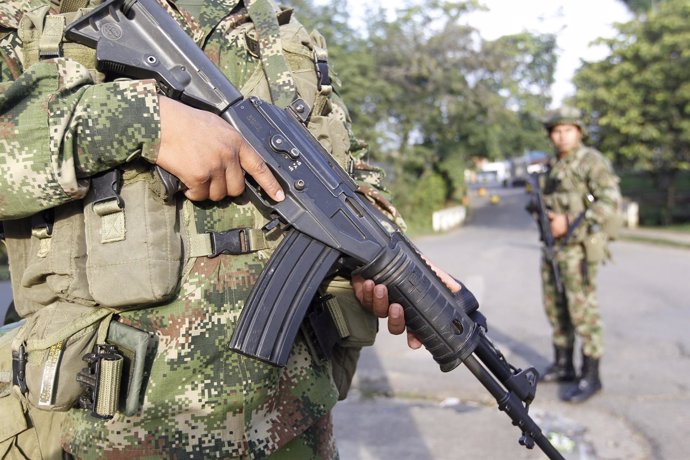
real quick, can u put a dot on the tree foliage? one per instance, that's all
(639, 96)
(641, 6)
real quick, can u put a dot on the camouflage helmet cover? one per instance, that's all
(564, 116)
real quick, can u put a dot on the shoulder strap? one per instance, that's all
(70, 6)
(280, 81)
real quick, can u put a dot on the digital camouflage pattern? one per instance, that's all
(578, 174)
(576, 312)
(204, 401)
(50, 142)
(201, 400)
(263, 15)
(582, 181)
(564, 115)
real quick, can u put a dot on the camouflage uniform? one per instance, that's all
(569, 182)
(58, 130)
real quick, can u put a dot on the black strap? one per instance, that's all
(44, 219)
(107, 186)
(323, 77)
(234, 241)
(572, 227)
(19, 369)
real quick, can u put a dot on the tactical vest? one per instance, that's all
(124, 246)
(567, 192)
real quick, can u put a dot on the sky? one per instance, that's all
(576, 23)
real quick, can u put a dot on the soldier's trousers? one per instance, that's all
(575, 312)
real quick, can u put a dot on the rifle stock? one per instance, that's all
(327, 221)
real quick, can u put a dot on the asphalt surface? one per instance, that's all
(401, 406)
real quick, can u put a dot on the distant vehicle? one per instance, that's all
(530, 163)
(494, 172)
(512, 172)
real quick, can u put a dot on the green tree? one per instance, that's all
(639, 96)
(641, 6)
(448, 95)
(521, 68)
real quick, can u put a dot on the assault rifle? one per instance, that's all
(326, 222)
(538, 208)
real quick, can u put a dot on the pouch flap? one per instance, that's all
(14, 420)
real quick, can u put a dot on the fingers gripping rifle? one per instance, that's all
(327, 222)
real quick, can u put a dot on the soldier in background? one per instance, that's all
(582, 195)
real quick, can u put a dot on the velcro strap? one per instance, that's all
(278, 74)
(69, 6)
(42, 229)
(112, 220)
(337, 316)
(109, 385)
(321, 63)
(108, 205)
(49, 43)
(50, 369)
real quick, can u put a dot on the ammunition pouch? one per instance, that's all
(47, 354)
(596, 247)
(46, 371)
(42, 38)
(345, 327)
(133, 239)
(117, 372)
(25, 432)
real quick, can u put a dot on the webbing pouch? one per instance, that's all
(48, 260)
(137, 348)
(42, 36)
(47, 353)
(133, 239)
(355, 327)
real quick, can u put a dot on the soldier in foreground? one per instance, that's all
(99, 256)
(581, 196)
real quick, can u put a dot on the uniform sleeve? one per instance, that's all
(58, 128)
(603, 185)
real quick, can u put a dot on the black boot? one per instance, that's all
(589, 382)
(562, 370)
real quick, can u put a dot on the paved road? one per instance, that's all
(5, 298)
(403, 407)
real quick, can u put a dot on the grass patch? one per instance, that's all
(655, 240)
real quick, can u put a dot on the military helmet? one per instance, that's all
(564, 116)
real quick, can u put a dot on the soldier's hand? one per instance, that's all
(208, 155)
(559, 224)
(374, 297)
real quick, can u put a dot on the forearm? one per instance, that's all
(59, 129)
